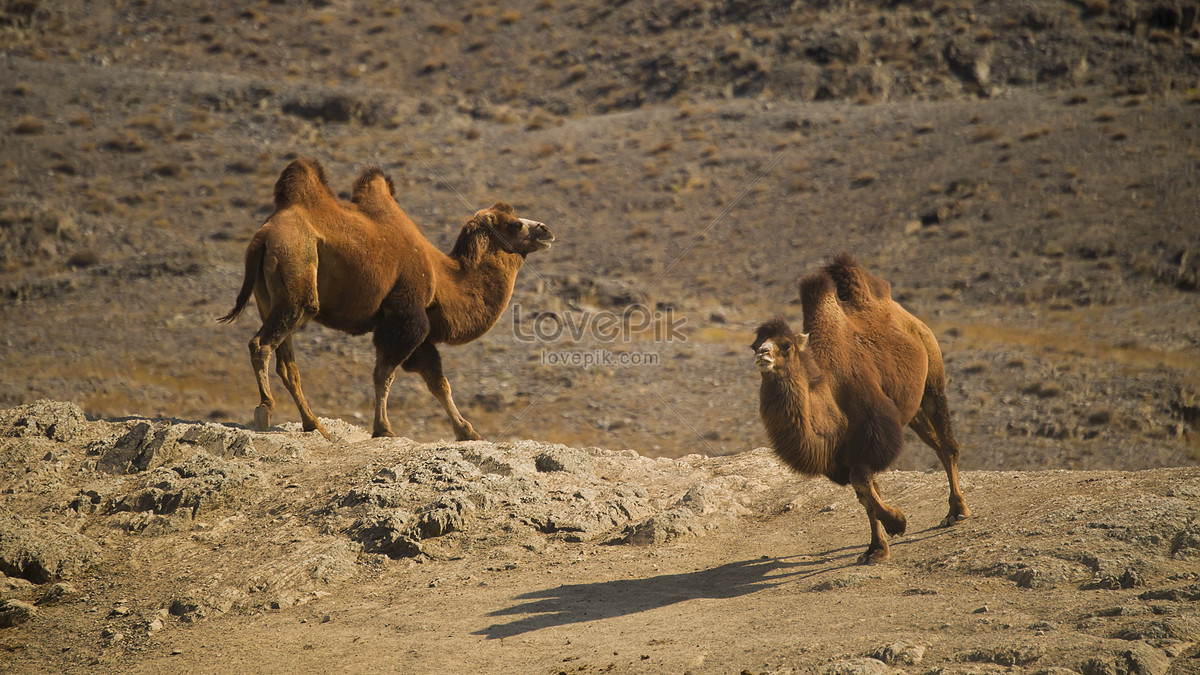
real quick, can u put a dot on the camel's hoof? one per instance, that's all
(873, 556)
(318, 427)
(262, 418)
(955, 518)
(896, 527)
(383, 433)
(469, 436)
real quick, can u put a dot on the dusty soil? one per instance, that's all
(228, 550)
(1023, 172)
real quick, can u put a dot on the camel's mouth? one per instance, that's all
(763, 359)
(544, 244)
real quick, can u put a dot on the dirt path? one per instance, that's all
(719, 565)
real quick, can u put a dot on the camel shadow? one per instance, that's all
(578, 603)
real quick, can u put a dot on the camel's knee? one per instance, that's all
(260, 354)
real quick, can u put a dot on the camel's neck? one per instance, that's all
(804, 424)
(471, 296)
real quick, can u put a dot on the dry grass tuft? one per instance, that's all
(446, 28)
(662, 147)
(864, 178)
(128, 142)
(985, 133)
(976, 367)
(28, 125)
(1034, 134)
(1043, 389)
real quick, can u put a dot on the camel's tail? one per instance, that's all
(856, 286)
(254, 258)
(302, 182)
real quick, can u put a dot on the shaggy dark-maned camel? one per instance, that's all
(362, 266)
(835, 398)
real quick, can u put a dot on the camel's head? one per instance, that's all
(777, 349)
(516, 235)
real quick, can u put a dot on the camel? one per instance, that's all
(362, 266)
(835, 398)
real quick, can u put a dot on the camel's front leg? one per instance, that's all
(881, 516)
(385, 372)
(426, 361)
(877, 550)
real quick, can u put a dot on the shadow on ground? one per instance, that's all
(578, 603)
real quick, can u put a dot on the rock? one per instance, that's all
(202, 483)
(899, 653)
(55, 420)
(1186, 544)
(863, 666)
(663, 527)
(1040, 572)
(562, 458)
(1176, 628)
(15, 613)
(43, 551)
(189, 609)
(446, 468)
(1139, 660)
(390, 533)
(57, 593)
(496, 460)
(1190, 593)
(148, 445)
(443, 516)
(1005, 656)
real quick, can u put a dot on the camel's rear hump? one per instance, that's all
(302, 182)
(373, 186)
(856, 286)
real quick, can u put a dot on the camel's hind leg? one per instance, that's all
(882, 517)
(932, 424)
(282, 316)
(426, 361)
(289, 372)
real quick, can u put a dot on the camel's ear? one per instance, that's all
(802, 341)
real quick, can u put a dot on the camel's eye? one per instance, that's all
(785, 347)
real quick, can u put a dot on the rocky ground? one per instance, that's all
(1023, 172)
(140, 545)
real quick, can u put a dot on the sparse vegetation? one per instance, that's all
(28, 125)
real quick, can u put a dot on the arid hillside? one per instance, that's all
(1023, 173)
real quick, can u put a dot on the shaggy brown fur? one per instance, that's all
(362, 266)
(835, 398)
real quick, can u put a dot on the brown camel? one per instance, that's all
(362, 266)
(835, 399)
